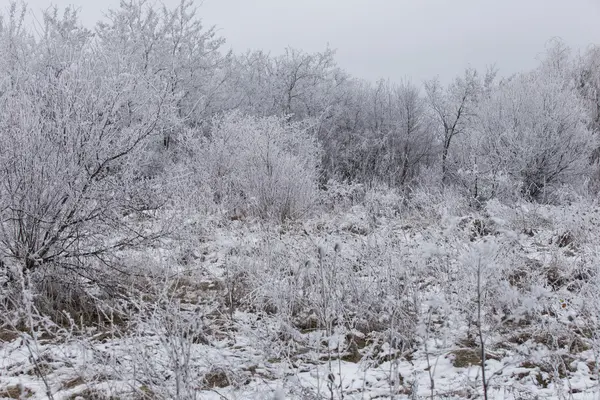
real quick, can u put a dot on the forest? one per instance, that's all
(178, 221)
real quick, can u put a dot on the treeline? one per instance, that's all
(146, 110)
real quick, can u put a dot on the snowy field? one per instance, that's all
(179, 220)
(387, 274)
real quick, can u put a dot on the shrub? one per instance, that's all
(266, 167)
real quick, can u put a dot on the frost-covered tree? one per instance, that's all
(345, 138)
(17, 45)
(295, 84)
(406, 131)
(534, 131)
(380, 134)
(588, 84)
(174, 45)
(452, 108)
(72, 131)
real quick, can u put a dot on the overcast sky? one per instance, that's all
(396, 39)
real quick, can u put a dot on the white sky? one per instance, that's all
(396, 39)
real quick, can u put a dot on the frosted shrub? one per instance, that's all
(534, 133)
(342, 195)
(263, 166)
(382, 201)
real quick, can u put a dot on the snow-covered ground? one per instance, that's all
(368, 301)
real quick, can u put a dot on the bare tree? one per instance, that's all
(452, 108)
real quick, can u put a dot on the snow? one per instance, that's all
(308, 364)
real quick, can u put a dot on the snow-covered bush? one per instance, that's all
(366, 287)
(266, 167)
(338, 195)
(532, 130)
(383, 201)
(73, 131)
